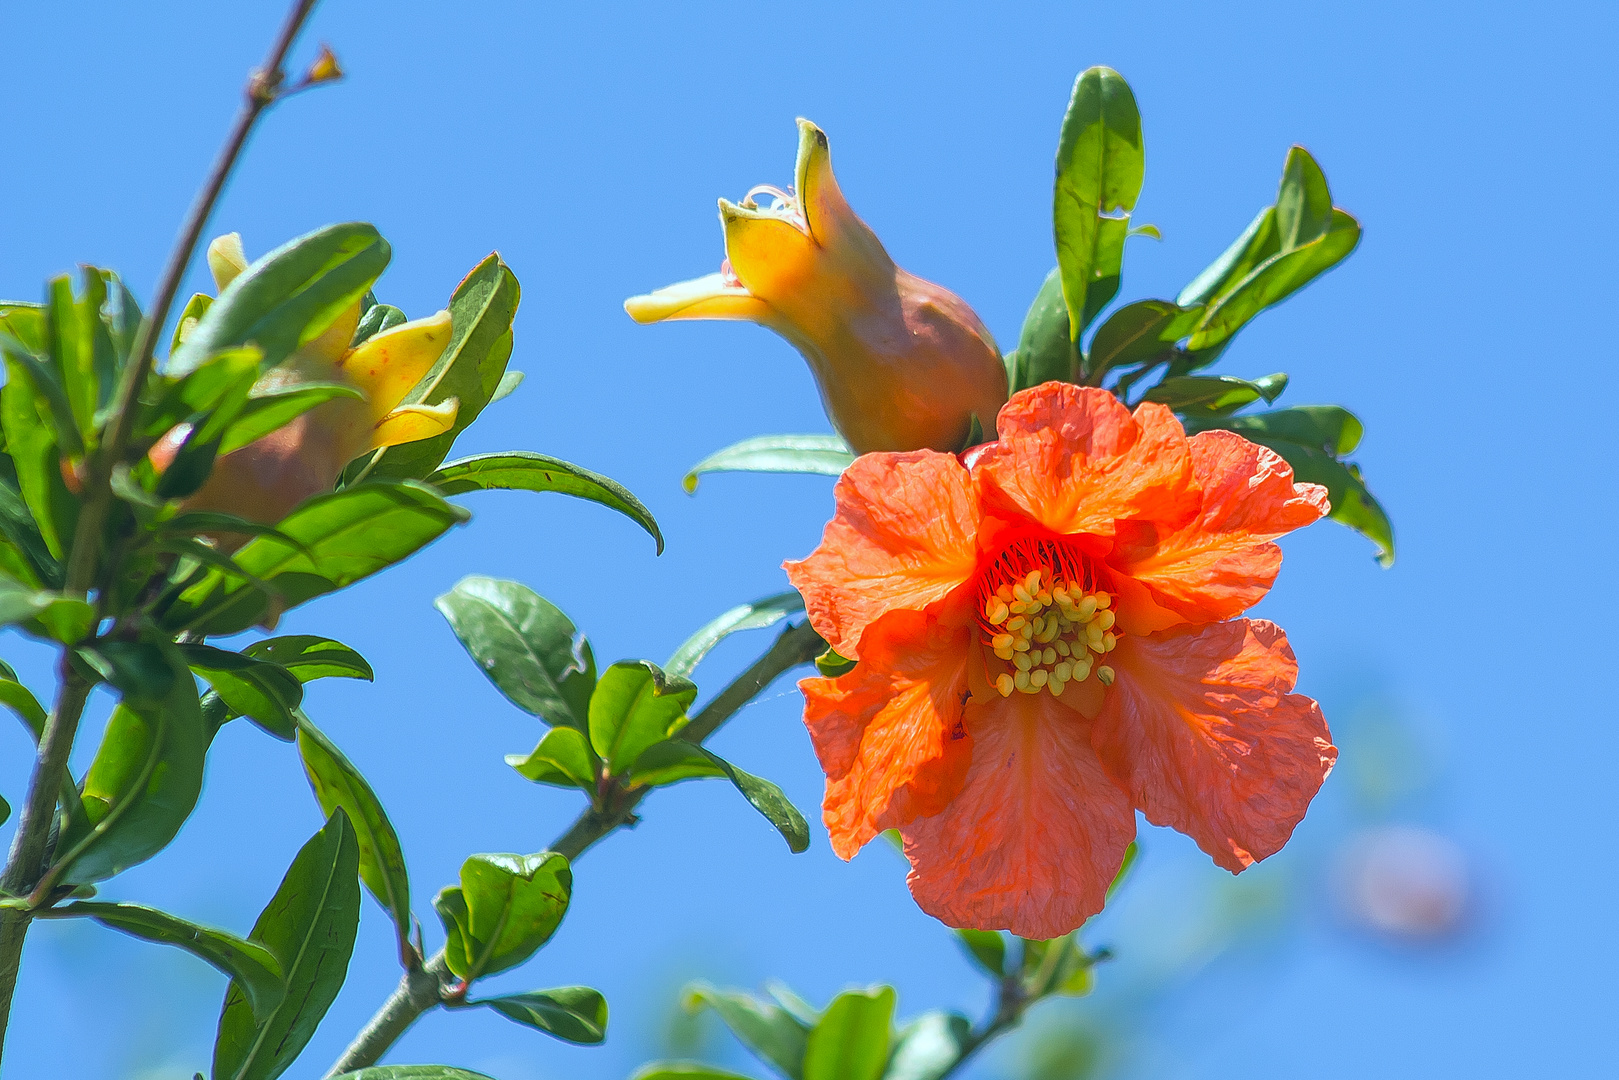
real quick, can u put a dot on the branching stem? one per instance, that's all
(420, 991)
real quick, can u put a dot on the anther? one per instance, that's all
(1106, 619)
(1104, 675)
(1038, 677)
(1003, 685)
(1085, 608)
(1023, 661)
(1020, 681)
(1103, 600)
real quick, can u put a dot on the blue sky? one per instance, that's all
(587, 143)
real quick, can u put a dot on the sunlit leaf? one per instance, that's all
(822, 455)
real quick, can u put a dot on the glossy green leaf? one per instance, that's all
(73, 350)
(987, 948)
(335, 540)
(254, 967)
(505, 908)
(1100, 164)
(412, 1072)
(1331, 429)
(832, 665)
(309, 926)
(269, 410)
(822, 455)
(45, 367)
(263, 692)
(141, 786)
(470, 370)
(1303, 203)
(1256, 244)
(25, 419)
(20, 700)
(1275, 279)
(17, 526)
(1045, 349)
(1215, 395)
(5, 811)
(635, 705)
(526, 646)
(338, 784)
(216, 391)
(751, 616)
(1143, 332)
(929, 1047)
(771, 1032)
(523, 470)
(683, 1070)
(563, 758)
(1131, 854)
(137, 669)
(310, 657)
(190, 316)
(576, 1014)
(851, 1041)
(674, 760)
(290, 296)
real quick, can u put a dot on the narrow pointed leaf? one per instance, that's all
(563, 758)
(767, 1029)
(310, 657)
(674, 760)
(822, 455)
(263, 692)
(575, 1014)
(751, 616)
(1045, 349)
(272, 409)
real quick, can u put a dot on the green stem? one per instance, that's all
(420, 991)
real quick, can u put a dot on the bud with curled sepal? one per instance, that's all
(902, 363)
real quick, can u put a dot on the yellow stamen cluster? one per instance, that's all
(1051, 631)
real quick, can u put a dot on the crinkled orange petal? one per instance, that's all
(1201, 728)
(1037, 833)
(889, 734)
(1074, 460)
(902, 537)
(1222, 562)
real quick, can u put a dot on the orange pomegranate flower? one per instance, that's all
(1048, 640)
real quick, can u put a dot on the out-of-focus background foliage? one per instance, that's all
(1470, 686)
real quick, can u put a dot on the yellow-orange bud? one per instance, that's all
(902, 363)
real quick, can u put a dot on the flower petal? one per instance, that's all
(1222, 562)
(848, 241)
(889, 733)
(412, 423)
(1037, 833)
(1075, 460)
(712, 296)
(902, 537)
(771, 256)
(387, 366)
(1202, 729)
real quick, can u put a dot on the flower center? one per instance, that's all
(1044, 614)
(783, 204)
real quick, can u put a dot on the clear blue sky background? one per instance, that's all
(587, 143)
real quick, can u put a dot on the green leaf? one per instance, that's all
(751, 616)
(67, 619)
(1143, 332)
(1310, 439)
(1303, 203)
(1045, 348)
(1100, 164)
(576, 1014)
(525, 645)
(250, 964)
(523, 470)
(32, 447)
(851, 1041)
(505, 908)
(20, 700)
(213, 392)
(309, 657)
(331, 542)
(1131, 854)
(141, 787)
(509, 382)
(5, 811)
(1215, 395)
(265, 693)
(269, 410)
(138, 669)
(412, 1072)
(683, 1070)
(309, 925)
(17, 526)
(290, 296)
(635, 705)
(771, 1032)
(823, 455)
(470, 369)
(1257, 243)
(563, 758)
(929, 1047)
(1275, 279)
(377, 318)
(987, 948)
(674, 760)
(338, 784)
(190, 316)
